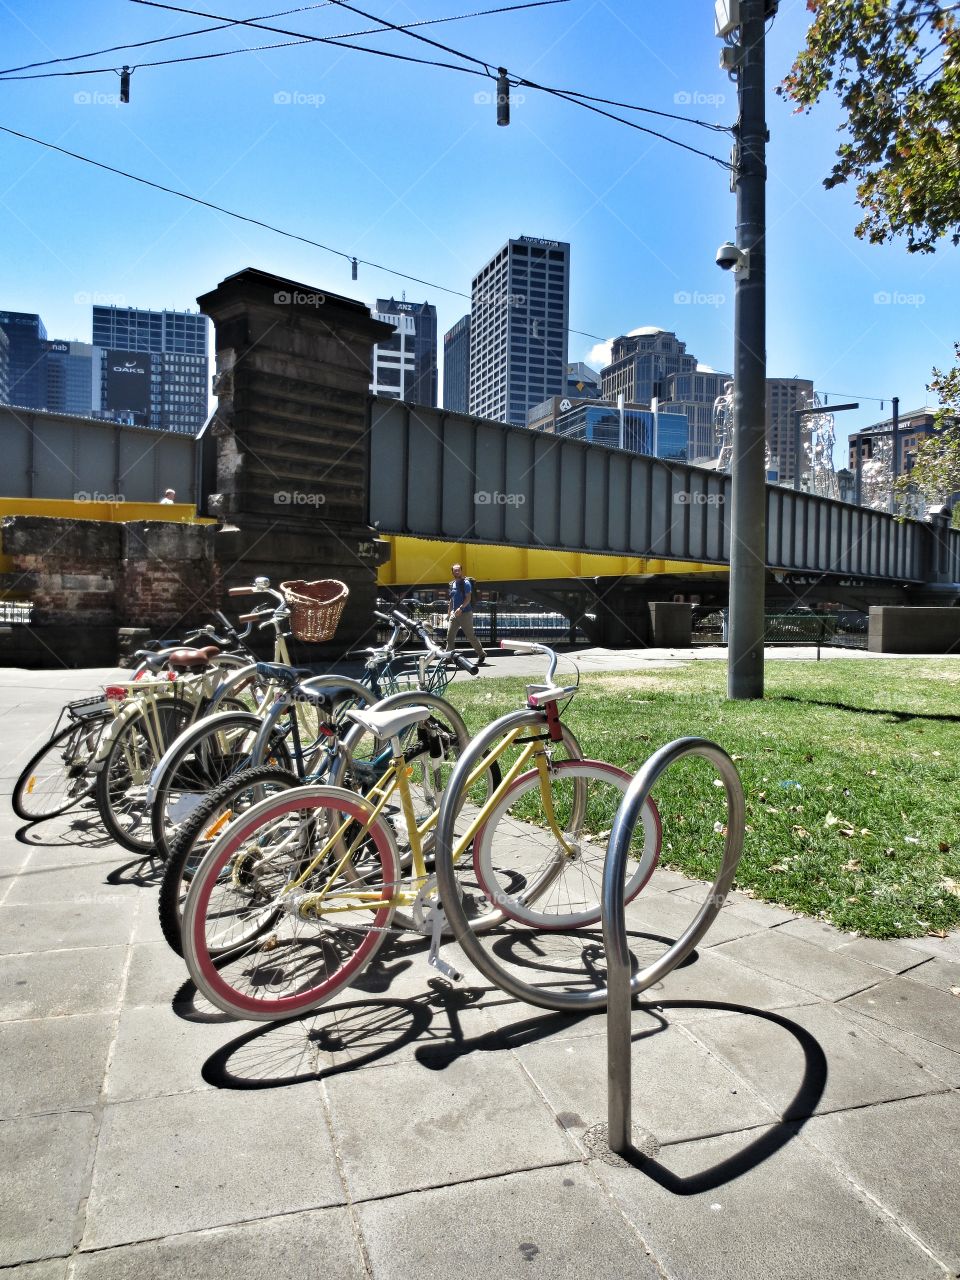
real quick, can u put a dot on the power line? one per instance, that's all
(485, 67)
(261, 48)
(257, 222)
(140, 44)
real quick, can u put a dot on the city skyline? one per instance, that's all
(317, 155)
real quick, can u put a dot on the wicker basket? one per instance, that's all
(315, 607)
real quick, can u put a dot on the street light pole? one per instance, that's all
(748, 533)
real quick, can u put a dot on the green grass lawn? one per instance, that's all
(849, 770)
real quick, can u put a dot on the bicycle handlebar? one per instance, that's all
(530, 646)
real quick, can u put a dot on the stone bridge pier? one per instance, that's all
(285, 459)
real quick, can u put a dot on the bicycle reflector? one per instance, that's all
(115, 692)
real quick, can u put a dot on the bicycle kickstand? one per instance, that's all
(436, 920)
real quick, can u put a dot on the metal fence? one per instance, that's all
(843, 630)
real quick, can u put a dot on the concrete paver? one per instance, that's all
(540, 1222)
(295, 1246)
(45, 1160)
(187, 1161)
(883, 1150)
(738, 1205)
(410, 1129)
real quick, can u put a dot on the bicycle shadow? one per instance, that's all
(358, 1032)
(83, 831)
(792, 1119)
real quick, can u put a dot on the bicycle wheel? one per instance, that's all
(197, 833)
(290, 904)
(57, 776)
(124, 775)
(206, 754)
(563, 965)
(539, 855)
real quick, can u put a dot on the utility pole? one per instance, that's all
(748, 532)
(894, 454)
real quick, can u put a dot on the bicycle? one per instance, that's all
(61, 774)
(547, 954)
(343, 759)
(152, 715)
(295, 898)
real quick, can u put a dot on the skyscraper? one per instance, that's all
(168, 390)
(641, 362)
(519, 314)
(405, 367)
(4, 367)
(456, 367)
(784, 397)
(695, 395)
(69, 377)
(26, 334)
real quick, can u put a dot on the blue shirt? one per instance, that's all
(459, 588)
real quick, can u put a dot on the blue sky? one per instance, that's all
(405, 165)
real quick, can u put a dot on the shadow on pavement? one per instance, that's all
(792, 1119)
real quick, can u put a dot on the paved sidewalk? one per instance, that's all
(795, 1098)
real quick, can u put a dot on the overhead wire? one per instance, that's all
(257, 222)
(302, 39)
(181, 35)
(482, 66)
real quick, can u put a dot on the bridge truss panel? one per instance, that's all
(435, 474)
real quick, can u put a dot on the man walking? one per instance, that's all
(461, 613)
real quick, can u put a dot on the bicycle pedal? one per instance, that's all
(442, 967)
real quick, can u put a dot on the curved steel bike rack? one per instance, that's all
(620, 987)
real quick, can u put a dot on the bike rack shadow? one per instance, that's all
(792, 1119)
(896, 717)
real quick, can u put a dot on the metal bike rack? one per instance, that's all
(620, 987)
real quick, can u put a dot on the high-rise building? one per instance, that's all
(583, 383)
(167, 391)
(4, 367)
(637, 429)
(784, 397)
(26, 334)
(405, 366)
(695, 395)
(456, 367)
(641, 363)
(912, 427)
(69, 377)
(651, 363)
(519, 315)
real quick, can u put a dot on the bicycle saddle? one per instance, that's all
(187, 658)
(387, 724)
(327, 699)
(283, 674)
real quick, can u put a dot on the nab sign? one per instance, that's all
(128, 382)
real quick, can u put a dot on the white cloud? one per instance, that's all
(599, 354)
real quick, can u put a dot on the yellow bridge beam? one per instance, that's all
(416, 561)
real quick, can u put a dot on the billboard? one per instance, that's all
(128, 381)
